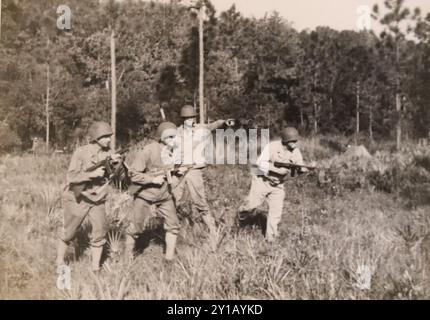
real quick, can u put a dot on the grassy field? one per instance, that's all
(356, 221)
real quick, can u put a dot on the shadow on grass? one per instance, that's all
(256, 218)
(154, 233)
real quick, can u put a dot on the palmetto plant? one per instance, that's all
(50, 195)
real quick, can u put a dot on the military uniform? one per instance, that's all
(93, 203)
(192, 153)
(149, 196)
(156, 159)
(268, 185)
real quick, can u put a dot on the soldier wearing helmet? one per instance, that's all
(92, 203)
(267, 182)
(191, 136)
(147, 172)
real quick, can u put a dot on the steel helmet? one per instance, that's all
(99, 129)
(166, 129)
(188, 111)
(289, 134)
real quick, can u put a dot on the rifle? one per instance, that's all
(112, 171)
(136, 187)
(293, 167)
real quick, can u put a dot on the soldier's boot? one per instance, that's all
(61, 252)
(130, 243)
(96, 256)
(209, 220)
(170, 245)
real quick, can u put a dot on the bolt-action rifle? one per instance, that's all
(168, 173)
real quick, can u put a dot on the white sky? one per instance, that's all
(337, 14)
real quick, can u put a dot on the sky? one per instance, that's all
(308, 14)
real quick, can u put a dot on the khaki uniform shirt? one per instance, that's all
(83, 158)
(153, 158)
(275, 151)
(192, 143)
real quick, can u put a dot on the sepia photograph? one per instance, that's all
(237, 151)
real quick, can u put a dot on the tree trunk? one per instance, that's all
(201, 66)
(371, 122)
(113, 91)
(236, 68)
(47, 99)
(399, 123)
(47, 107)
(315, 118)
(357, 111)
(331, 109)
(398, 102)
(302, 120)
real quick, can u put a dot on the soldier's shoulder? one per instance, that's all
(82, 150)
(151, 146)
(275, 144)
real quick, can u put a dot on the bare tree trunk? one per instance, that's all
(357, 111)
(47, 99)
(201, 66)
(0, 19)
(398, 102)
(371, 122)
(315, 118)
(113, 92)
(236, 68)
(47, 106)
(331, 109)
(302, 120)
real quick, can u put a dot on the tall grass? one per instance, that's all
(335, 230)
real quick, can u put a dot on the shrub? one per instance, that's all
(9, 139)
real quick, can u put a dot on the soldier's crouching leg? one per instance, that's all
(255, 198)
(171, 224)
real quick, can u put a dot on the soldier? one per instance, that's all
(91, 203)
(192, 135)
(149, 172)
(268, 183)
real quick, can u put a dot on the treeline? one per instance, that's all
(261, 71)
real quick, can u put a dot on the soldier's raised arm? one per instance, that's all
(215, 125)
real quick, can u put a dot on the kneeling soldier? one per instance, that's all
(268, 183)
(149, 172)
(91, 201)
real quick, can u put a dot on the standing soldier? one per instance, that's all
(269, 182)
(90, 202)
(192, 135)
(149, 172)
